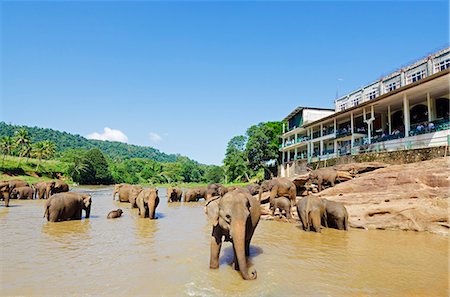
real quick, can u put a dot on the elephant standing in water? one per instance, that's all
(174, 194)
(195, 194)
(22, 193)
(129, 193)
(67, 206)
(279, 187)
(7, 186)
(147, 201)
(40, 189)
(233, 217)
(336, 214)
(282, 203)
(311, 212)
(54, 187)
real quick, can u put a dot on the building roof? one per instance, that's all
(300, 108)
(381, 97)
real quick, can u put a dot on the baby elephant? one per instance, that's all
(282, 203)
(115, 214)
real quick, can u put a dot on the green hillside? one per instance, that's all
(65, 141)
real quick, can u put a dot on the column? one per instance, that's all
(321, 148)
(321, 130)
(335, 126)
(295, 154)
(406, 119)
(389, 119)
(351, 127)
(335, 147)
(431, 109)
(284, 128)
(296, 137)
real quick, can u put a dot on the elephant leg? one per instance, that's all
(216, 244)
(304, 220)
(315, 220)
(52, 216)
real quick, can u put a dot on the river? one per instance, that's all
(170, 256)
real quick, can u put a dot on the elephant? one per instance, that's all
(40, 189)
(147, 201)
(22, 193)
(253, 188)
(114, 214)
(195, 194)
(233, 217)
(129, 193)
(282, 203)
(279, 187)
(117, 188)
(337, 216)
(67, 206)
(54, 187)
(311, 212)
(174, 194)
(322, 176)
(215, 190)
(6, 187)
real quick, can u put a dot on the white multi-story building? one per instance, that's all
(405, 109)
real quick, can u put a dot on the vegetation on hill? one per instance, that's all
(65, 141)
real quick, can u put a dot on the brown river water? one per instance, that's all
(130, 256)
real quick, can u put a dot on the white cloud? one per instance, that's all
(109, 134)
(155, 137)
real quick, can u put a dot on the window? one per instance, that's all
(372, 95)
(415, 76)
(392, 86)
(356, 100)
(342, 106)
(439, 66)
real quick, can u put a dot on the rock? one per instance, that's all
(417, 194)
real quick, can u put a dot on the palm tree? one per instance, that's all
(78, 167)
(50, 148)
(21, 139)
(6, 146)
(39, 152)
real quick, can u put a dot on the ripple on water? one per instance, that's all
(170, 256)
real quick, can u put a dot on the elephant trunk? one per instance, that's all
(151, 209)
(88, 212)
(238, 237)
(260, 194)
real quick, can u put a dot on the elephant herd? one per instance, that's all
(19, 189)
(233, 212)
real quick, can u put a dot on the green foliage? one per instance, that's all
(235, 160)
(215, 174)
(247, 155)
(65, 141)
(91, 169)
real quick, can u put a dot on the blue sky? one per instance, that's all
(185, 77)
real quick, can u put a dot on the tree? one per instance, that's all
(22, 141)
(214, 174)
(262, 147)
(6, 145)
(235, 163)
(78, 169)
(43, 150)
(99, 167)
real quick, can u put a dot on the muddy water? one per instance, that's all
(170, 257)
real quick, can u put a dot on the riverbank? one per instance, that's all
(410, 197)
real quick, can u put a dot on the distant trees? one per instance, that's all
(43, 150)
(91, 169)
(257, 150)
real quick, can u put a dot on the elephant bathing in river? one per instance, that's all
(279, 187)
(7, 186)
(174, 194)
(22, 193)
(147, 201)
(336, 214)
(233, 217)
(67, 206)
(311, 212)
(54, 187)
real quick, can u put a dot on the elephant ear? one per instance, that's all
(86, 199)
(212, 212)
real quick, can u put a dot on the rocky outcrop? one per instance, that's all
(399, 197)
(393, 197)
